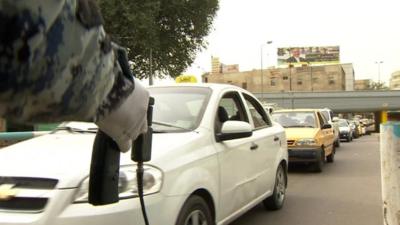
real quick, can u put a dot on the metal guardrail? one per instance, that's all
(390, 168)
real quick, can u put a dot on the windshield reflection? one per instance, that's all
(178, 109)
(295, 119)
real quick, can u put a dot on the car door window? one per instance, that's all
(322, 120)
(257, 113)
(230, 107)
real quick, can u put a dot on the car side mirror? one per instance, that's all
(234, 130)
(335, 119)
(326, 126)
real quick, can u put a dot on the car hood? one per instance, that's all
(303, 132)
(66, 157)
(344, 129)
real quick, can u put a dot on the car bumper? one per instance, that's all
(344, 135)
(304, 154)
(160, 210)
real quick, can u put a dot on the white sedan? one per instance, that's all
(216, 154)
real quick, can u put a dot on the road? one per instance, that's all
(347, 192)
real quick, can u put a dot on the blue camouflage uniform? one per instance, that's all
(58, 64)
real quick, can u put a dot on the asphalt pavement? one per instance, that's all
(347, 192)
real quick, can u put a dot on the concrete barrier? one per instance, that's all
(390, 167)
(10, 138)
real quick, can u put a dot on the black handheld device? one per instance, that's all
(104, 171)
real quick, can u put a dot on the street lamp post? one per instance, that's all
(261, 69)
(379, 70)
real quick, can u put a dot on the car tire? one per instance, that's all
(348, 139)
(337, 143)
(276, 200)
(331, 158)
(195, 208)
(320, 162)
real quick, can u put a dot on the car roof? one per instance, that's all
(214, 86)
(297, 110)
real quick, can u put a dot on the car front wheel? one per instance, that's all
(195, 211)
(275, 201)
(320, 162)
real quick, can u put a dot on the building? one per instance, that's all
(395, 81)
(218, 67)
(339, 77)
(364, 84)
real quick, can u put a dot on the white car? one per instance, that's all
(328, 114)
(216, 154)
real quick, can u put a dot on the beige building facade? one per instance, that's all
(395, 81)
(364, 84)
(304, 78)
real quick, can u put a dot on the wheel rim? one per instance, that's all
(280, 185)
(196, 217)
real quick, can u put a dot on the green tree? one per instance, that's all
(378, 86)
(172, 30)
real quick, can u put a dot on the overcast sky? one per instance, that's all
(366, 31)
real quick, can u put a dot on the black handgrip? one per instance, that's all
(104, 171)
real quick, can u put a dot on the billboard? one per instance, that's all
(308, 55)
(230, 68)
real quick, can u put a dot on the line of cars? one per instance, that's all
(355, 128)
(314, 134)
(216, 154)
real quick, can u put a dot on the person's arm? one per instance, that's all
(58, 64)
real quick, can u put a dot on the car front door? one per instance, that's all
(267, 139)
(236, 157)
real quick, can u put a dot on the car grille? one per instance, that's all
(29, 194)
(290, 142)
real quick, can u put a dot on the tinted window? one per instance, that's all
(257, 112)
(230, 107)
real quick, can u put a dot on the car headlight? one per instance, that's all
(127, 184)
(306, 141)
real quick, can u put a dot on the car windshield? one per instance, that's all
(343, 123)
(295, 119)
(178, 109)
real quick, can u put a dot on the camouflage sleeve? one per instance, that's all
(58, 64)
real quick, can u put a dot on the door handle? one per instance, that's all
(253, 146)
(276, 138)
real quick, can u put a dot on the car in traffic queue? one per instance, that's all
(328, 116)
(355, 126)
(346, 132)
(310, 137)
(216, 154)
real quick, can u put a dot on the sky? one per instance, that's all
(367, 32)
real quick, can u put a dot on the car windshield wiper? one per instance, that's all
(170, 125)
(74, 130)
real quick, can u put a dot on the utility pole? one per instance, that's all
(379, 71)
(290, 85)
(261, 69)
(151, 82)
